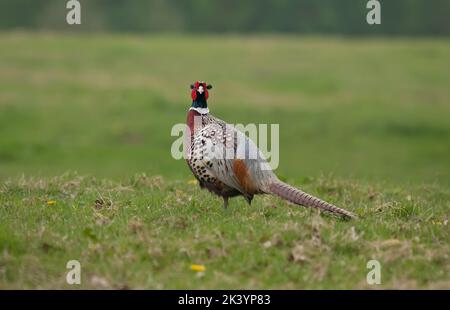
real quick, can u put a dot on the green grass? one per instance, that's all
(363, 123)
(145, 232)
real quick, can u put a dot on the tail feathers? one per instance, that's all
(299, 197)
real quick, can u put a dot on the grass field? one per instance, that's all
(86, 171)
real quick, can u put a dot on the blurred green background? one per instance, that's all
(352, 100)
(406, 17)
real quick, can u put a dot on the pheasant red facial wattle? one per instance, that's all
(228, 176)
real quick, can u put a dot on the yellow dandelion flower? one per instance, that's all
(192, 182)
(51, 202)
(198, 268)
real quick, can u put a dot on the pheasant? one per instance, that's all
(228, 164)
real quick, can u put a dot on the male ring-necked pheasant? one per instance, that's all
(229, 164)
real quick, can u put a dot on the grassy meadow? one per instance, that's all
(86, 171)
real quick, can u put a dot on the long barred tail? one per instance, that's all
(299, 197)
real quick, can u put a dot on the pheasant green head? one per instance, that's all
(200, 95)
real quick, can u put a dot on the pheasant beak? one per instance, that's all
(200, 89)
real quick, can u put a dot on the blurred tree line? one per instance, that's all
(399, 17)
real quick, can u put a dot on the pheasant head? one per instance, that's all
(200, 95)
